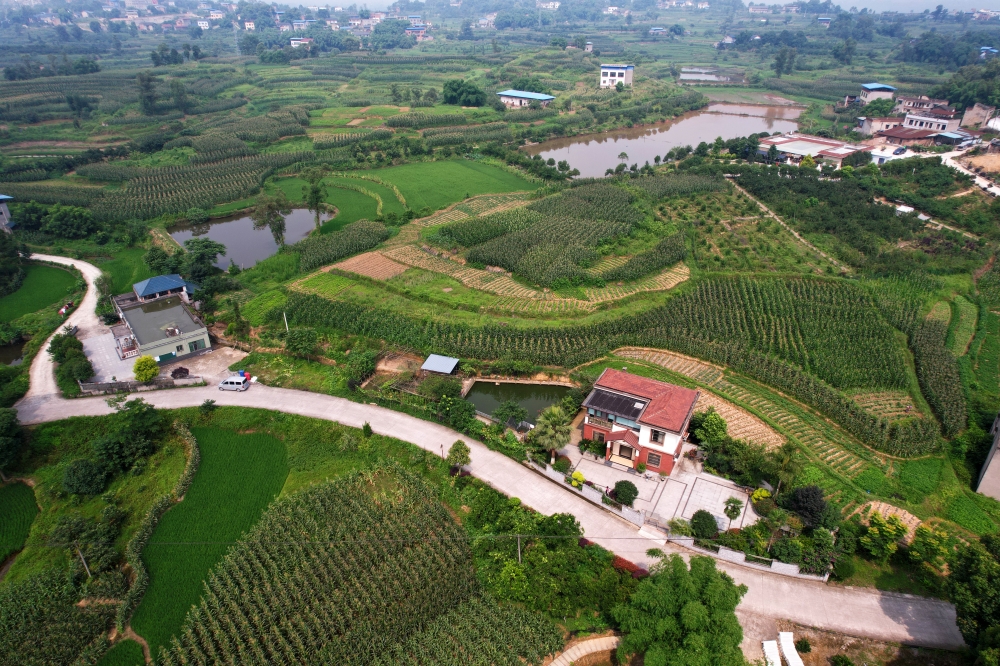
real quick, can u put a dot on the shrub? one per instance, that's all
(764, 507)
(626, 492)
(366, 429)
(680, 527)
(802, 645)
(84, 477)
(562, 465)
(458, 454)
(844, 568)
(840, 660)
(787, 550)
(62, 344)
(207, 407)
(703, 525)
(883, 536)
(301, 341)
(145, 369)
(808, 502)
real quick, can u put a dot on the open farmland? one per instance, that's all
(372, 264)
(43, 286)
(17, 512)
(238, 477)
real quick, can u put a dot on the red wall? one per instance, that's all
(666, 461)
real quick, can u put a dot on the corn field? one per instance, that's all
(176, 189)
(339, 573)
(422, 120)
(478, 230)
(667, 252)
(938, 373)
(319, 250)
(447, 136)
(673, 185)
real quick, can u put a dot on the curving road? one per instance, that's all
(854, 611)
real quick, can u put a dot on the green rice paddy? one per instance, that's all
(238, 477)
(43, 286)
(17, 512)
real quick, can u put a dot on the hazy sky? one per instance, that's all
(918, 5)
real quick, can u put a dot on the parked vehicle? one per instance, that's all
(235, 383)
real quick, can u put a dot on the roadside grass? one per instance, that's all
(238, 477)
(51, 447)
(125, 269)
(43, 286)
(123, 653)
(893, 576)
(17, 512)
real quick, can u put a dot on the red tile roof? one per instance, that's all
(669, 406)
(628, 436)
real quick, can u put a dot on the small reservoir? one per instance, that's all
(487, 396)
(244, 244)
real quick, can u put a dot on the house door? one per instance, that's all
(625, 451)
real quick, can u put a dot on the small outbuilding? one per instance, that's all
(518, 98)
(442, 365)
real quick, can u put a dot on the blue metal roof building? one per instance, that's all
(523, 94)
(878, 86)
(162, 285)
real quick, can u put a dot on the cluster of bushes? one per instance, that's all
(74, 366)
(130, 437)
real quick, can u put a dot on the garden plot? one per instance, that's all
(742, 424)
(890, 404)
(701, 371)
(663, 281)
(372, 264)
(911, 521)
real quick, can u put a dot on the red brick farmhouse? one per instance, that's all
(642, 420)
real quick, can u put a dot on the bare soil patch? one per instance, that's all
(372, 264)
(989, 162)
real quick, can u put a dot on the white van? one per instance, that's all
(235, 383)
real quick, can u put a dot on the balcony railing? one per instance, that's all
(600, 423)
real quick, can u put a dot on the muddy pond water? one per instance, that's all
(244, 244)
(592, 154)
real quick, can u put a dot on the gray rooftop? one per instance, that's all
(151, 321)
(437, 363)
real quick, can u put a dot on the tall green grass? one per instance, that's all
(123, 653)
(238, 477)
(126, 269)
(43, 286)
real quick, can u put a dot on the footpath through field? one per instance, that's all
(854, 611)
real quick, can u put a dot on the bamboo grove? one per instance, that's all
(302, 586)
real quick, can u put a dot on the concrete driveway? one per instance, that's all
(857, 612)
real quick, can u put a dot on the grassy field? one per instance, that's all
(351, 207)
(17, 512)
(123, 653)
(126, 269)
(238, 477)
(963, 326)
(43, 286)
(440, 184)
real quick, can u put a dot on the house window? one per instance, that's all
(180, 348)
(656, 436)
(196, 345)
(653, 460)
(600, 437)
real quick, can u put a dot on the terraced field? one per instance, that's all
(890, 404)
(372, 264)
(820, 439)
(663, 281)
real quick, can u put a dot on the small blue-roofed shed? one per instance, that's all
(444, 365)
(873, 91)
(5, 222)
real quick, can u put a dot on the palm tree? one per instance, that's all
(787, 463)
(552, 432)
(623, 156)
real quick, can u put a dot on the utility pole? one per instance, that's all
(86, 568)
(283, 314)
(518, 548)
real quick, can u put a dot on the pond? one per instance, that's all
(592, 154)
(487, 396)
(11, 354)
(244, 244)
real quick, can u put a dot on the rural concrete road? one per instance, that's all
(853, 611)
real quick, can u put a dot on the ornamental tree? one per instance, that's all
(145, 369)
(883, 536)
(458, 454)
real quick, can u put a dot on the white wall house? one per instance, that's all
(612, 74)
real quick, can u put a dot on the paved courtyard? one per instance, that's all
(680, 495)
(100, 349)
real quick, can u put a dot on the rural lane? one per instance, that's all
(855, 611)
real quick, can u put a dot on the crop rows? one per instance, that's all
(937, 371)
(742, 424)
(115, 171)
(889, 404)
(474, 278)
(664, 281)
(372, 264)
(327, 141)
(338, 573)
(323, 284)
(479, 633)
(481, 229)
(475, 134)
(667, 252)
(360, 236)
(179, 188)
(492, 203)
(965, 326)
(673, 185)
(760, 328)
(43, 193)
(421, 120)
(256, 310)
